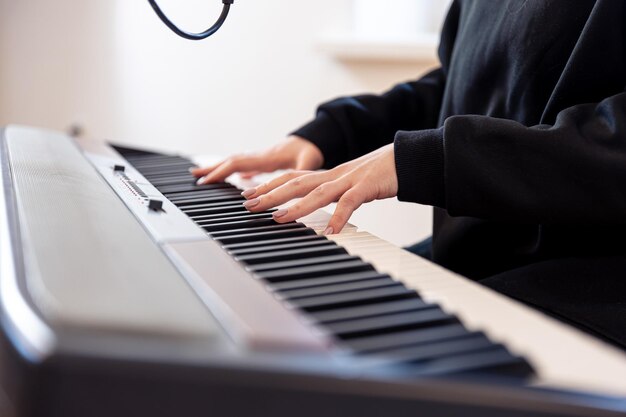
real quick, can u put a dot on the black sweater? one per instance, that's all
(519, 139)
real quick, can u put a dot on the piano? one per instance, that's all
(126, 289)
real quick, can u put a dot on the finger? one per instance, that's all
(320, 197)
(201, 172)
(297, 187)
(249, 174)
(348, 203)
(272, 184)
(236, 164)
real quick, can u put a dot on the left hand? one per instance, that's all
(370, 177)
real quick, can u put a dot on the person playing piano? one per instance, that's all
(518, 140)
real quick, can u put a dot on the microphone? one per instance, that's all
(189, 35)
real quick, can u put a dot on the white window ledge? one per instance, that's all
(420, 48)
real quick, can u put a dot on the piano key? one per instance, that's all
(183, 165)
(284, 255)
(221, 207)
(173, 181)
(175, 189)
(299, 273)
(495, 360)
(250, 223)
(403, 338)
(273, 248)
(199, 192)
(391, 322)
(207, 219)
(325, 280)
(355, 298)
(301, 262)
(217, 199)
(251, 237)
(262, 243)
(139, 161)
(390, 307)
(158, 177)
(253, 230)
(469, 343)
(203, 193)
(335, 288)
(162, 170)
(159, 169)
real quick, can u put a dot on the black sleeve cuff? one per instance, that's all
(419, 159)
(325, 133)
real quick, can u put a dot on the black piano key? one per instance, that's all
(204, 194)
(288, 254)
(233, 198)
(182, 165)
(313, 271)
(326, 280)
(355, 298)
(404, 338)
(208, 219)
(162, 171)
(389, 323)
(493, 360)
(220, 189)
(335, 288)
(251, 230)
(213, 208)
(302, 262)
(263, 243)
(233, 215)
(389, 307)
(175, 189)
(468, 343)
(251, 237)
(172, 181)
(160, 159)
(274, 248)
(238, 225)
(180, 175)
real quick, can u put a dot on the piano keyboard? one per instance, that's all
(364, 311)
(375, 300)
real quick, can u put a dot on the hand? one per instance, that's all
(294, 153)
(371, 177)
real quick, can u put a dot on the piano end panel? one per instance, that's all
(87, 262)
(247, 311)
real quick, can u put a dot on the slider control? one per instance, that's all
(119, 168)
(155, 205)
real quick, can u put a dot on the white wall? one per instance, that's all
(113, 68)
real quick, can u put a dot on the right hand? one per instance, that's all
(294, 153)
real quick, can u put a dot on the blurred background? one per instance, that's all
(111, 70)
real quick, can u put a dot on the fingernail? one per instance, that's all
(251, 203)
(192, 169)
(247, 193)
(200, 181)
(279, 213)
(329, 231)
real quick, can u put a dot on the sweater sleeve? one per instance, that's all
(348, 127)
(571, 172)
